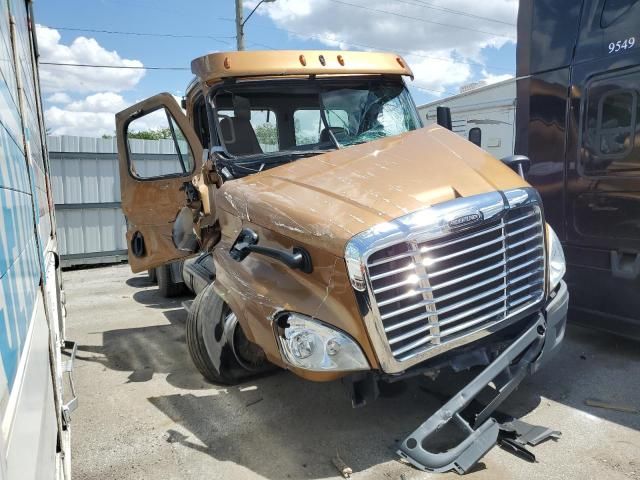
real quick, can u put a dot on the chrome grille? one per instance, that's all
(432, 292)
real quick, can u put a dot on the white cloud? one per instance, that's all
(87, 124)
(437, 75)
(94, 116)
(83, 50)
(489, 78)
(442, 40)
(99, 102)
(59, 97)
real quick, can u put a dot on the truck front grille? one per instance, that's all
(433, 292)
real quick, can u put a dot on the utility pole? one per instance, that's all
(239, 26)
(240, 22)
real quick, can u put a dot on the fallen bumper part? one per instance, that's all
(483, 433)
(526, 434)
(516, 434)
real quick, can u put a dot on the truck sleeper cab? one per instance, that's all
(343, 240)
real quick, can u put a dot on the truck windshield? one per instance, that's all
(275, 118)
(358, 115)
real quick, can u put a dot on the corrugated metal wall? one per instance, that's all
(86, 190)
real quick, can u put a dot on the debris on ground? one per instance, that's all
(618, 407)
(342, 467)
(253, 402)
(516, 434)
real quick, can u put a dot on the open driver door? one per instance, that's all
(159, 154)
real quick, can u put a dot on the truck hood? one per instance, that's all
(327, 199)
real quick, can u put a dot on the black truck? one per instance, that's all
(578, 120)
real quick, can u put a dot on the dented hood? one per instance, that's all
(327, 199)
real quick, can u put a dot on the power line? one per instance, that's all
(424, 20)
(127, 67)
(144, 34)
(432, 6)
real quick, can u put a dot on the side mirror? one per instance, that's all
(443, 115)
(518, 163)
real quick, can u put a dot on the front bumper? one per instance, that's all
(532, 349)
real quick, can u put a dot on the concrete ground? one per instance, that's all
(145, 412)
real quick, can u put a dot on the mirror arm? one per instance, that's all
(518, 163)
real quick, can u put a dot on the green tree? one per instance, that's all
(267, 134)
(152, 134)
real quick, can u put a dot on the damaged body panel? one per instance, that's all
(343, 241)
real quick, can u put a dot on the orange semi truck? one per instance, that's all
(325, 232)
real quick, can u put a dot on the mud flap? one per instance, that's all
(482, 432)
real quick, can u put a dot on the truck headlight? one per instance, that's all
(312, 345)
(556, 261)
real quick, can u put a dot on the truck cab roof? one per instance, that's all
(219, 66)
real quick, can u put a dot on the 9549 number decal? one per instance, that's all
(622, 45)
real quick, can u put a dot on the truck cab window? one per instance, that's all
(246, 130)
(615, 125)
(613, 10)
(610, 129)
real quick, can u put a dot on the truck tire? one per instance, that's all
(153, 278)
(167, 287)
(217, 345)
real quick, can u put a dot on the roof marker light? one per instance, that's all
(341, 60)
(400, 62)
(303, 61)
(226, 63)
(322, 60)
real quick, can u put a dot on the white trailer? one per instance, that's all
(485, 115)
(36, 388)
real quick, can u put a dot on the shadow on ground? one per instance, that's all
(297, 423)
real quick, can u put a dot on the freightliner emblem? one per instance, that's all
(465, 220)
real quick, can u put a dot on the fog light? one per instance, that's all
(313, 345)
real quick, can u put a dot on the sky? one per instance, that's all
(448, 43)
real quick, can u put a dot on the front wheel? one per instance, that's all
(167, 287)
(217, 345)
(151, 273)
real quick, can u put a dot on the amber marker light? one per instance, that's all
(303, 61)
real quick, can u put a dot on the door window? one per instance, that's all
(611, 132)
(157, 147)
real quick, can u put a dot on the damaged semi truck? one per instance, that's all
(326, 233)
